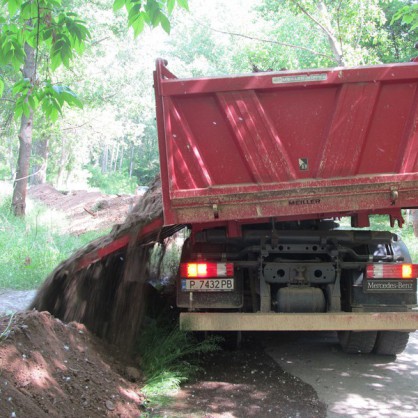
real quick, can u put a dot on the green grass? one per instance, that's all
(32, 247)
(113, 182)
(5, 333)
(170, 357)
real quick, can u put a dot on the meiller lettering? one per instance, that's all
(305, 202)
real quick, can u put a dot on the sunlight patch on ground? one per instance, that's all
(367, 386)
(356, 405)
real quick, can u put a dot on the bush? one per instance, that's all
(34, 245)
(170, 356)
(111, 183)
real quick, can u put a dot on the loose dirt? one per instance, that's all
(85, 211)
(54, 368)
(49, 368)
(244, 383)
(106, 293)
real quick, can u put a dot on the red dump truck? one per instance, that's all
(261, 167)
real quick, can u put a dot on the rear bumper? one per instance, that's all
(342, 321)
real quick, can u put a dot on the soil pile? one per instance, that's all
(108, 296)
(52, 369)
(85, 210)
(49, 368)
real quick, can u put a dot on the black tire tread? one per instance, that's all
(357, 342)
(390, 343)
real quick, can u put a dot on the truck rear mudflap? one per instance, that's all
(341, 321)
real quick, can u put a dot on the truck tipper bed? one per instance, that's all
(261, 167)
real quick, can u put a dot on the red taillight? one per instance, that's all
(392, 271)
(193, 270)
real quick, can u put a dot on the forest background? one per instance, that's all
(111, 142)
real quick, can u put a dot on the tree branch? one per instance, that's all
(339, 26)
(99, 40)
(316, 21)
(338, 55)
(270, 41)
(75, 127)
(37, 40)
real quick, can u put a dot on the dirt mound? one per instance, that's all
(49, 368)
(108, 295)
(85, 210)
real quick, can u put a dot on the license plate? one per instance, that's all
(388, 286)
(207, 285)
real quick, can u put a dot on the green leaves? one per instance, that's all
(29, 10)
(69, 35)
(118, 4)
(150, 12)
(51, 98)
(61, 51)
(170, 6)
(408, 15)
(11, 46)
(183, 4)
(57, 35)
(13, 6)
(165, 23)
(22, 90)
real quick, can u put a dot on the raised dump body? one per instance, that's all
(257, 166)
(289, 145)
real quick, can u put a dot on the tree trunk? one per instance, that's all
(121, 160)
(61, 165)
(330, 33)
(414, 213)
(131, 162)
(105, 157)
(39, 170)
(115, 162)
(12, 162)
(25, 143)
(325, 24)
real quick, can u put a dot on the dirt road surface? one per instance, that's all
(49, 368)
(366, 386)
(310, 372)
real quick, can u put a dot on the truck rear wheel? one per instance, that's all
(357, 342)
(390, 343)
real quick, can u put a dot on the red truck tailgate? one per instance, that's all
(313, 143)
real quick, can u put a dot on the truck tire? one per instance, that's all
(390, 343)
(357, 342)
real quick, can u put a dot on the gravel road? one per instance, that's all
(15, 300)
(364, 386)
